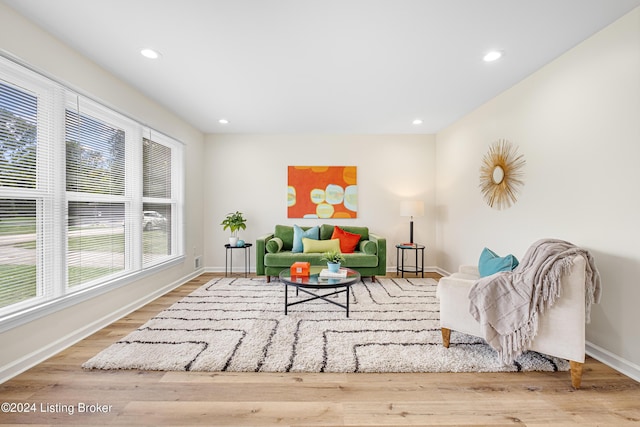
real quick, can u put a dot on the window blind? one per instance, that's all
(95, 183)
(18, 136)
(158, 204)
(85, 201)
(156, 164)
(95, 153)
(18, 270)
(26, 183)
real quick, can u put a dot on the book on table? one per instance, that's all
(408, 245)
(340, 274)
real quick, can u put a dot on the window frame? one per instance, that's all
(108, 117)
(176, 201)
(44, 192)
(52, 198)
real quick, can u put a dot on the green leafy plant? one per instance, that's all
(234, 222)
(333, 256)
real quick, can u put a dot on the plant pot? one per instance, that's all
(333, 266)
(233, 241)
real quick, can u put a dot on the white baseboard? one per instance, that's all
(427, 269)
(441, 271)
(30, 360)
(616, 362)
(237, 270)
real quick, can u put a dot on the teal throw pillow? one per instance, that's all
(274, 245)
(490, 263)
(299, 233)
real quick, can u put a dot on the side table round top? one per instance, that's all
(246, 245)
(412, 246)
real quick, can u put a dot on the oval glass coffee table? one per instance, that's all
(319, 285)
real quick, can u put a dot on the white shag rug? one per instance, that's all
(238, 324)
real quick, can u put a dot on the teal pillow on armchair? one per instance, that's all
(490, 263)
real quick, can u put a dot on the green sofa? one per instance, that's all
(369, 258)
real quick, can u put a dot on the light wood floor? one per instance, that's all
(134, 398)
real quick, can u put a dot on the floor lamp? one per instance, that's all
(411, 208)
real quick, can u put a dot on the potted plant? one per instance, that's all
(333, 258)
(234, 222)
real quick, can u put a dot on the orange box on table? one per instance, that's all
(300, 268)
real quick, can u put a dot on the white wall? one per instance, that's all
(249, 173)
(577, 122)
(30, 342)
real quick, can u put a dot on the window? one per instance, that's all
(25, 191)
(86, 201)
(96, 193)
(95, 241)
(160, 206)
(18, 137)
(17, 251)
(95, 154)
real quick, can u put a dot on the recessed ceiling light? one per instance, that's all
(492, 56)
(417, 122)
(223, 121)
(150, 53)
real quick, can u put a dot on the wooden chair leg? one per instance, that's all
(373, 279)
(268, 279)
(446, 337)
(576, 374)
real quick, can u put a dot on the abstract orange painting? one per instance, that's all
(322, 192)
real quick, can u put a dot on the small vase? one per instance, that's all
(233, 241)
(333, 267)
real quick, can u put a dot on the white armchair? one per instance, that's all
(561, 330)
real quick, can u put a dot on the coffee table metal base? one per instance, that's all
(315, 296)
(317, 287)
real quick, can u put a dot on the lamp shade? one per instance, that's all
(411, 208)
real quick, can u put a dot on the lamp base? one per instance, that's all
(411, 232)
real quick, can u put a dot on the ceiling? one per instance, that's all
(322, 66)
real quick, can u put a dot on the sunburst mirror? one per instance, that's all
(501, 174)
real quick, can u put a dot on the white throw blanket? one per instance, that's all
(507, 304)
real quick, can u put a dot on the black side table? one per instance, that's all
(228, 258)
(416, 268)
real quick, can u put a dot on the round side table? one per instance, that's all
(417, 267)
(228, 258)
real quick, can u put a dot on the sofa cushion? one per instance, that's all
(490, 263)
(284, 233)
(348, 241)
(368, 247)
(274, 245)
(284, 259)
(359, 260)
(320, 246)
(326, 231)
(299, 233)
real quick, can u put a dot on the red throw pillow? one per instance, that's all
(348, 241)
